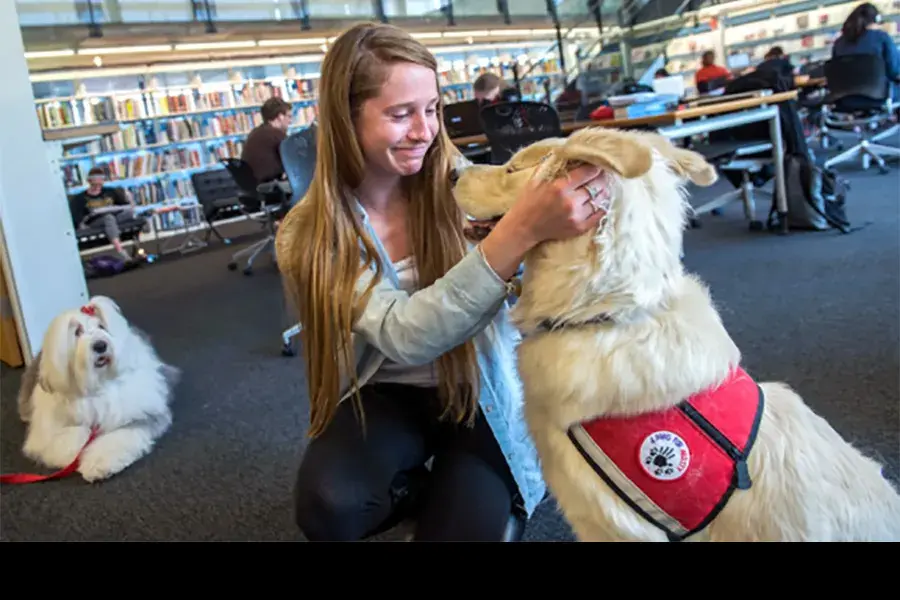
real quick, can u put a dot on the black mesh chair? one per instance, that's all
(859, 100)
(267, 198)
(510, 126)
(219, 198)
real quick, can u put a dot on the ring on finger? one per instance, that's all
(592, 199)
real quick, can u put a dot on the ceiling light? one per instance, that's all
(465, 33)
(125, 49)
(216, 45)
(291, 42)
(50, 53)
(509, 32)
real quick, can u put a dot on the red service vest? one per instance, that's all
(678, 467)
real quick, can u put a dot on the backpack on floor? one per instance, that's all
(104, 265)
(816, 197)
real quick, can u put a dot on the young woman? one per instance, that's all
(860, 34)
(409, 350)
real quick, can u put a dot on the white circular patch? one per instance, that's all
(664, 456)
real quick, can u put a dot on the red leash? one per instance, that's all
(34, 477)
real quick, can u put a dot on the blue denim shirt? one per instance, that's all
(470, 300)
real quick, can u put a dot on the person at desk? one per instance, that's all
(777, 61)
(489, 89)
(860, 35)
(99, 201)
(262, 146)
(709, 70)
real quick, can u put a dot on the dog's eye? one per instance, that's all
(78, 331)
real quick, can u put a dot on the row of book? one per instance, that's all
(142, 165)
(65, 113)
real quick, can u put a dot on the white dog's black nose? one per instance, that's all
(99, 346)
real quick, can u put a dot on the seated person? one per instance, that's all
(262, 146)
(109, 205)
(490, 89)
(710, 70)
(660, 74)
(860, 35)
(775, 60)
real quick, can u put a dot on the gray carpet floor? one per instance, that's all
(819, 310)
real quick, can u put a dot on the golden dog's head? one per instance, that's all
(634, 254)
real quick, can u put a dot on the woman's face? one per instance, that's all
(397, 127)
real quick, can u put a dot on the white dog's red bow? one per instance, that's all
(89, 309)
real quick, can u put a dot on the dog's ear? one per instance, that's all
(687, 164)
(53, 373)
(109, 313)
(618, 151)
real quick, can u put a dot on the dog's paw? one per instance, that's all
(97, 467)
(111, 453)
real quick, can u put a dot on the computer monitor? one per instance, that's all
(673, 84)
(738, 61)
(462, 119)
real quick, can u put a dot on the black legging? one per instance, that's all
(344, 482)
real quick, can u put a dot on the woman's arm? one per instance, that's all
(416, 329)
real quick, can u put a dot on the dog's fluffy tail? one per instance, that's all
(171, 374)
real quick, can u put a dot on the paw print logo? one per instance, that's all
(661, 460)
(664, 456)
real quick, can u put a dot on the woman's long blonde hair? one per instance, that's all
(319, 240)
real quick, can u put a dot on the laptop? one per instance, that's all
(462, 119)
(674, 85)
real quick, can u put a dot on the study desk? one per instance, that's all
(702, 119)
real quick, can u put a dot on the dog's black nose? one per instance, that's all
(99, 346)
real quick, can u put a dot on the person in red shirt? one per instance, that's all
(710, 70)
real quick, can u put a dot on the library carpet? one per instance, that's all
(818, 310)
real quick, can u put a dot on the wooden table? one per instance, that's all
(703, 119)
(670, 118)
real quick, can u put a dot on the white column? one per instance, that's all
(37, 242)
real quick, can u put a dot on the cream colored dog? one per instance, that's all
(647, 427)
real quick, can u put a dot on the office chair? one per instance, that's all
(712, 85)
(268, 198)
(510, 126)
(219, 197)
(298, 155)
(859, 97)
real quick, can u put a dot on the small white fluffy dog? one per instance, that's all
(95, 371)
(647, 427)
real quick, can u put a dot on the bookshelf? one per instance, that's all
(168, 124)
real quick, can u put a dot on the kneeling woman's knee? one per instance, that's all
(328, 509)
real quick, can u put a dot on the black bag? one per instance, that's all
(816, 197)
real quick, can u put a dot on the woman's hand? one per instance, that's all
(560, 209)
